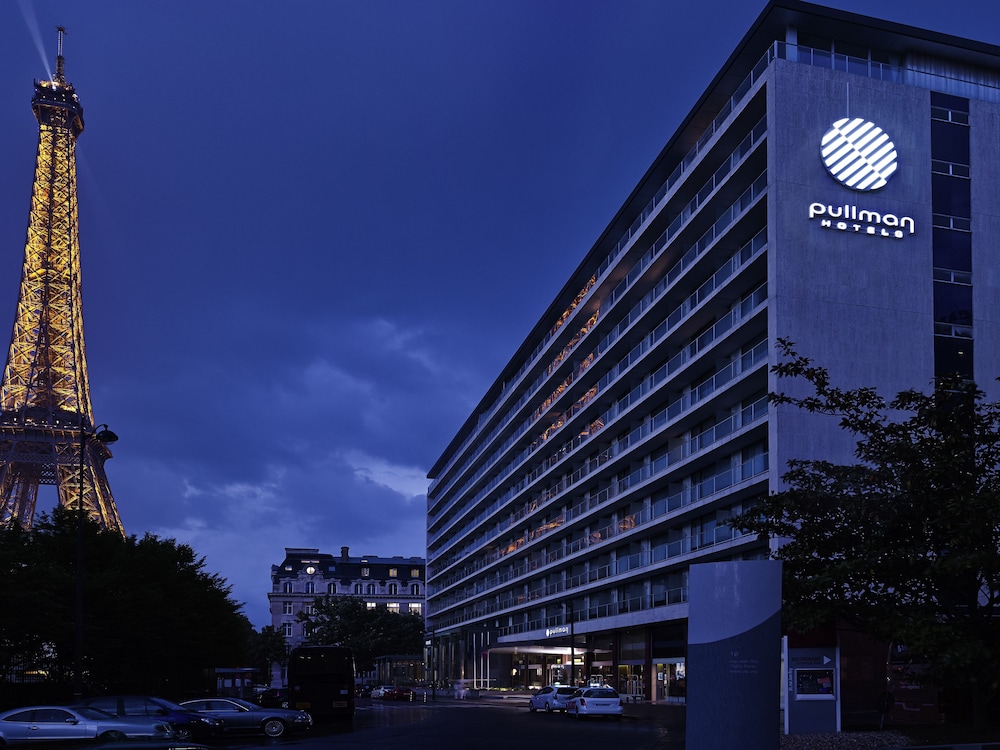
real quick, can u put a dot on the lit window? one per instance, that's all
(392, 572)
(415, 573)
(415, 608)
(370, 605)
(365, 572)
(393, 607)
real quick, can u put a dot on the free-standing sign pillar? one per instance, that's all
(734, 655)
(812, 693)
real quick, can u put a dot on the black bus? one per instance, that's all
(321, 681)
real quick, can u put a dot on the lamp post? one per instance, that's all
(102, 434)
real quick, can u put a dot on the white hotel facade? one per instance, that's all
(633, 421)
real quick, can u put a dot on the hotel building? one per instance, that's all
(835, 186)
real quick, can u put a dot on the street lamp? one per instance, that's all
(102, 434)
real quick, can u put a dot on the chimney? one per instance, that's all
(345, 553)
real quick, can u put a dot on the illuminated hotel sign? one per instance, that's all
(558, 630)
(860, 156)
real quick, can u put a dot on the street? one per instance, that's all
(485, 725)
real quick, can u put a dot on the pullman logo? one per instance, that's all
(858, 154)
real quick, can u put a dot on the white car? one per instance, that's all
(381, 690)
(600, 701)
(551, 698)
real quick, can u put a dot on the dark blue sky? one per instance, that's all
(313, 232)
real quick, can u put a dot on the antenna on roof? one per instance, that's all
(60, 76)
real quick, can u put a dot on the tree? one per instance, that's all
(905, 543)
(154, 619)
(267, 648)
(369, 632)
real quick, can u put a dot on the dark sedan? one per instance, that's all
(243, 716)
(185, 722)
(399, 694)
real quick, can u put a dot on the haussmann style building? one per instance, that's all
(835, 186)
(306, 574)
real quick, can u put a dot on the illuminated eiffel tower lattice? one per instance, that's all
(46, 416)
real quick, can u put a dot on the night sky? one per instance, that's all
(313, 232)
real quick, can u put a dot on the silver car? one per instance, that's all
(550, 698)
(243, 716)
(59, 723)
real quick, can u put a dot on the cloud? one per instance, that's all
(408, 481)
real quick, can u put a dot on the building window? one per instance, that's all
(393, 607)
(415, 573)
(365, 572)
(415, 608)
(415, 589)
(393, 589)
(357, 589)
(287, 588)
(331, 588)
(309, 609)
(286, 608)
(393, 572)
(371, 589)
(287, 629)
(310, 587)
(370, 605)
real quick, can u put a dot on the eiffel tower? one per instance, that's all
(47, 433)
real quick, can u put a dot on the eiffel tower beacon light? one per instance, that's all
(47, 434)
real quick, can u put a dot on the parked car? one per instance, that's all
(398, 694)
(273, 698)
(551, 698)
(185, 723)
(59, 723)
(381, 690)
(600, 701)
(243, 716)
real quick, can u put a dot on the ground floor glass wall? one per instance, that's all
(642, 663)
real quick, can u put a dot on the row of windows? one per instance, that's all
(287, 628)
(288, 608)
(371, 589)
(951, 198)
(365, 571)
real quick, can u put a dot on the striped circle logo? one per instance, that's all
(859, 154)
